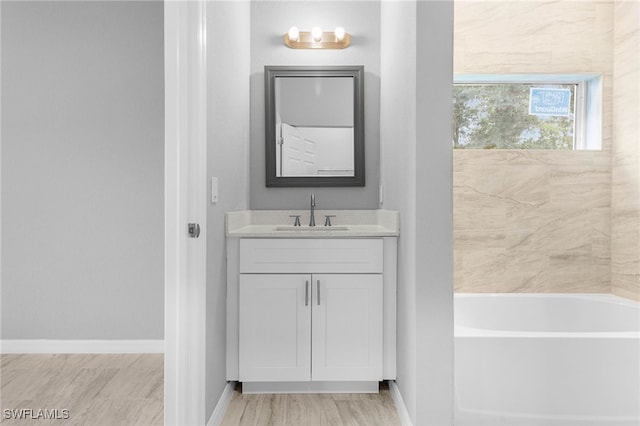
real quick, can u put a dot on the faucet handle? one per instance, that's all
(327, 219)
(297, 221)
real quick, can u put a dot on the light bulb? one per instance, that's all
(339, 32)
(294, 34)
(316, 33)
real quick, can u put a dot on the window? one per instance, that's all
(526, 112)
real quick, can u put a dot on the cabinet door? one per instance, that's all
(347, 327)
(275, 327)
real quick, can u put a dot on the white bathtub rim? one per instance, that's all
(460, 331)
(465, 331)
(475, 344)
(561, 419)
(608, 297)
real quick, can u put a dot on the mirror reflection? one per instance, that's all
(314, 126)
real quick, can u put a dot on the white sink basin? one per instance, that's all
(312, 228)
(279, 224)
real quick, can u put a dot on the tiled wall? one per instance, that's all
(531, 221)
(534, 221)
(625, 241)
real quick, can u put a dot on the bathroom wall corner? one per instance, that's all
(625, 194)
(228, 59)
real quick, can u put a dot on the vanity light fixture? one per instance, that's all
(317, 39)
(294, 34)
(316, 33)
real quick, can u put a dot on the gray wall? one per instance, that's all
(434, 213)
(315, 101)
(410, 69)
(228, 160)
(415, 126)
(82, 170)
(270, 20)
(398, 123)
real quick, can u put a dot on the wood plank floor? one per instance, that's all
(312, 409)
(96, 389)
(127, 389)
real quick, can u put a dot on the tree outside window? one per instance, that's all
(497, 116)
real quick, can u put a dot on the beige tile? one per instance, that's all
(581, 209)
(482, 217)
(520, 212)
(627, 286)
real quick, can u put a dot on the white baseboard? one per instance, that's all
(221, 406)
(46, 346)
(403, 413)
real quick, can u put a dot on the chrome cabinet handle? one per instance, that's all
(318, 290)
(306, 293)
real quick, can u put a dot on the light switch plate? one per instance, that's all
(214, 190)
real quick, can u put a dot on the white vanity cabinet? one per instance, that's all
(346, 337)
(318, 327)
(311, 314)
(275, 327)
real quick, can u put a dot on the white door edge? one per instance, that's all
(185, 201)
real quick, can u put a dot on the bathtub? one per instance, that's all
(547, 359)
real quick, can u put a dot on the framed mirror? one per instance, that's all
(314, 125)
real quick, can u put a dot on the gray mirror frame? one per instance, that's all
(271, 72)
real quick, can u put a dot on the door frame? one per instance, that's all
(185, 201)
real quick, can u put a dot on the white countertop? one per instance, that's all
(270, 223)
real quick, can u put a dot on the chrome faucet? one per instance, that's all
(312, 220)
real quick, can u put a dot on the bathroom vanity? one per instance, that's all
(311, 309)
